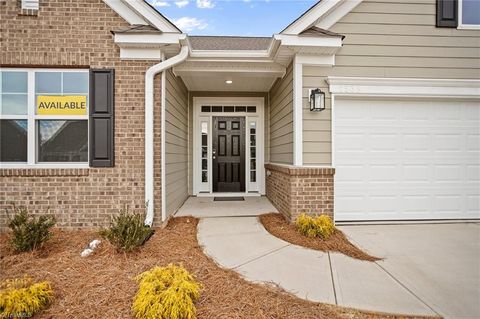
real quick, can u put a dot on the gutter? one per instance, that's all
(149, 132)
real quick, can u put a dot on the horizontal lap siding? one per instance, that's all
(388, 38)
(280, 120)
(176, 143)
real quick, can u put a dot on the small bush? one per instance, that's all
(127, 231)
(21, 298)
(320, 226)
(166, 293)
(29, 232)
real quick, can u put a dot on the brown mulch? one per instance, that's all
(276, 225)
(101, 285)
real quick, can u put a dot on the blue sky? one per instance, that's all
(232, 17)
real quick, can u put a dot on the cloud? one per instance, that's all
(181, 3)
(189, 24)
(158, 3)
(205, 4)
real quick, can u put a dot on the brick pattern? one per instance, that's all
(297, 190)
(72, 33)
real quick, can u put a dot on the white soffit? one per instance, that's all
(404, 87)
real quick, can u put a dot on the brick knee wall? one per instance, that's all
(297, 190)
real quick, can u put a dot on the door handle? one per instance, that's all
(213, 153)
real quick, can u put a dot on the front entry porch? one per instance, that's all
(207, 207)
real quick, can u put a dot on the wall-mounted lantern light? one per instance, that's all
(317, 100)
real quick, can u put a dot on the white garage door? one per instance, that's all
(406, 160)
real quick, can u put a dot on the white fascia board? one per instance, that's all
(140, 53)
(229, 54)
(329, 19)
(404, 87)
(154, 18)
(152, 40)
(126, 12)
(264, 68)
(311, 16)
(317, 60)
(295, 40)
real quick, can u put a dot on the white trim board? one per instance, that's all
(139, 12)
(404, 87)
(297, 112)
(324, 15)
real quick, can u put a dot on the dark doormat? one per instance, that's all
(228, 199)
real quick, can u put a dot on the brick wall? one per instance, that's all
(296, 190)
(69, 33)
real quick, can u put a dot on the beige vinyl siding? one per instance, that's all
(281, 119)
(387, 38)
(176, 143)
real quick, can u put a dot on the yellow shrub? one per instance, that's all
(167, 293)
(21, 298)
(320, 226)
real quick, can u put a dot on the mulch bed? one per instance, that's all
(101, 285)
(276, 225)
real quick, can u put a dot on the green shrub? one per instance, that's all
(21, 298)
(320, 226)
(29, 232)
(166, 293)
(127, 230)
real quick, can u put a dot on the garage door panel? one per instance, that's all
(406, 160)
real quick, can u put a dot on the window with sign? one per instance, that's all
(44, 116)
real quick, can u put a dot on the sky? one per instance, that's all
(232, 17)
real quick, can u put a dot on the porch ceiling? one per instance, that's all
(245, 76)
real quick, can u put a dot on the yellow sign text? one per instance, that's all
(61, 105)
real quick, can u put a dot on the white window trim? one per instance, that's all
(461, 25)
(32, 117)
(251, 189)
(30, 4)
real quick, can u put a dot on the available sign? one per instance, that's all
(61, 105)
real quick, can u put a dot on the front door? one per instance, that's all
(228, 154)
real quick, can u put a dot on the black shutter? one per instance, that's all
(447, 15)
(102, 92)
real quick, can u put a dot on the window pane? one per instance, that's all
(14, 82)
(75, 82)
(62, 141)
(13, 140)
(14, 104)
(471, 12)
(48, 82)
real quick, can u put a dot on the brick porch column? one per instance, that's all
(295, 190)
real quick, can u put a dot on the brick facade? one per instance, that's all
(76, 33)
(296, 190)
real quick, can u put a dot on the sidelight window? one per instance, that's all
(253, 151)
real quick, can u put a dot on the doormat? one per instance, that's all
(228, 199)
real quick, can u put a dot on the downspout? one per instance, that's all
(149, 133)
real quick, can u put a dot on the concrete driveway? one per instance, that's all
(438, 263)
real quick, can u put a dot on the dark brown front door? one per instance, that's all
(228, 154)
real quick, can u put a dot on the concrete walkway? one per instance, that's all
(242, 244)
